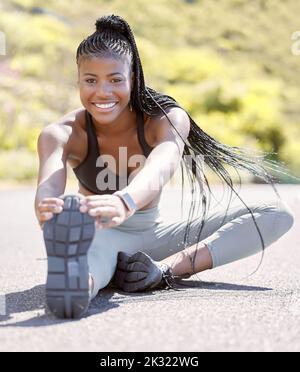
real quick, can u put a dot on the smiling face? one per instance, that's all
(105, 85)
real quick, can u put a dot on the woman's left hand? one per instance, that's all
(109, 210)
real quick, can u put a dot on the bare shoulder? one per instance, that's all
(177, 116)
(161, 127)
(63, 129)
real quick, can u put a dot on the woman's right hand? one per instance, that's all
(47, 208)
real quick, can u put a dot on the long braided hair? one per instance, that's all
(113, 37)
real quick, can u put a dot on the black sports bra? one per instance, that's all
(93, 173)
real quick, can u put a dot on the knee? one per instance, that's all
(285, 218)
(287, 215)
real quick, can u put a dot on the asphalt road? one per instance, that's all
(226, 311)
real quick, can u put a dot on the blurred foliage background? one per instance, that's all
(228, 62)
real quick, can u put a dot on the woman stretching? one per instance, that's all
(124, 145)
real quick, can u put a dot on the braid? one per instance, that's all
(114, 37)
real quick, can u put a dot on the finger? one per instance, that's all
(104, 211)
(58, 210)
(116, 220)
(52, 201)
(100, 203)
(46, 216)
(83, 208)
(135, 276)
(93, 198)
(50, 208)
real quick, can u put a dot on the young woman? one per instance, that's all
(124, 145)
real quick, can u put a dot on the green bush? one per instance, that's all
(18, 165)
(224, 62)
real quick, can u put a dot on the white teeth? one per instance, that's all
(105, 106)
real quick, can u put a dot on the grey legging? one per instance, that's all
(228, 240)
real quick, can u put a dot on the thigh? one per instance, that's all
(168, 239)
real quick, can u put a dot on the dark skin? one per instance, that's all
(65, 143)
(108, 145)
(68, 137)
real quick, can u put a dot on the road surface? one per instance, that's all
(226, 311)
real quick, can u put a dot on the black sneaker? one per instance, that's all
(68, 237)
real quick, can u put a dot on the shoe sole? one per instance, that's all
(68, 236)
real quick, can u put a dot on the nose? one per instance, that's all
(103, 90)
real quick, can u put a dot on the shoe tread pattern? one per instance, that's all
(68, 237)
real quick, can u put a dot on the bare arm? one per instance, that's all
(52, 172)
(163, 161)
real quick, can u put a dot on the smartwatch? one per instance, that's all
(128, 201)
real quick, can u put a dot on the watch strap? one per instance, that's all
(128, 201)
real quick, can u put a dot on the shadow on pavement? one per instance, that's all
(33, 300)
(184, 288)
(216, 286)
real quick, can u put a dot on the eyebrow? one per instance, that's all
(114, 73)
